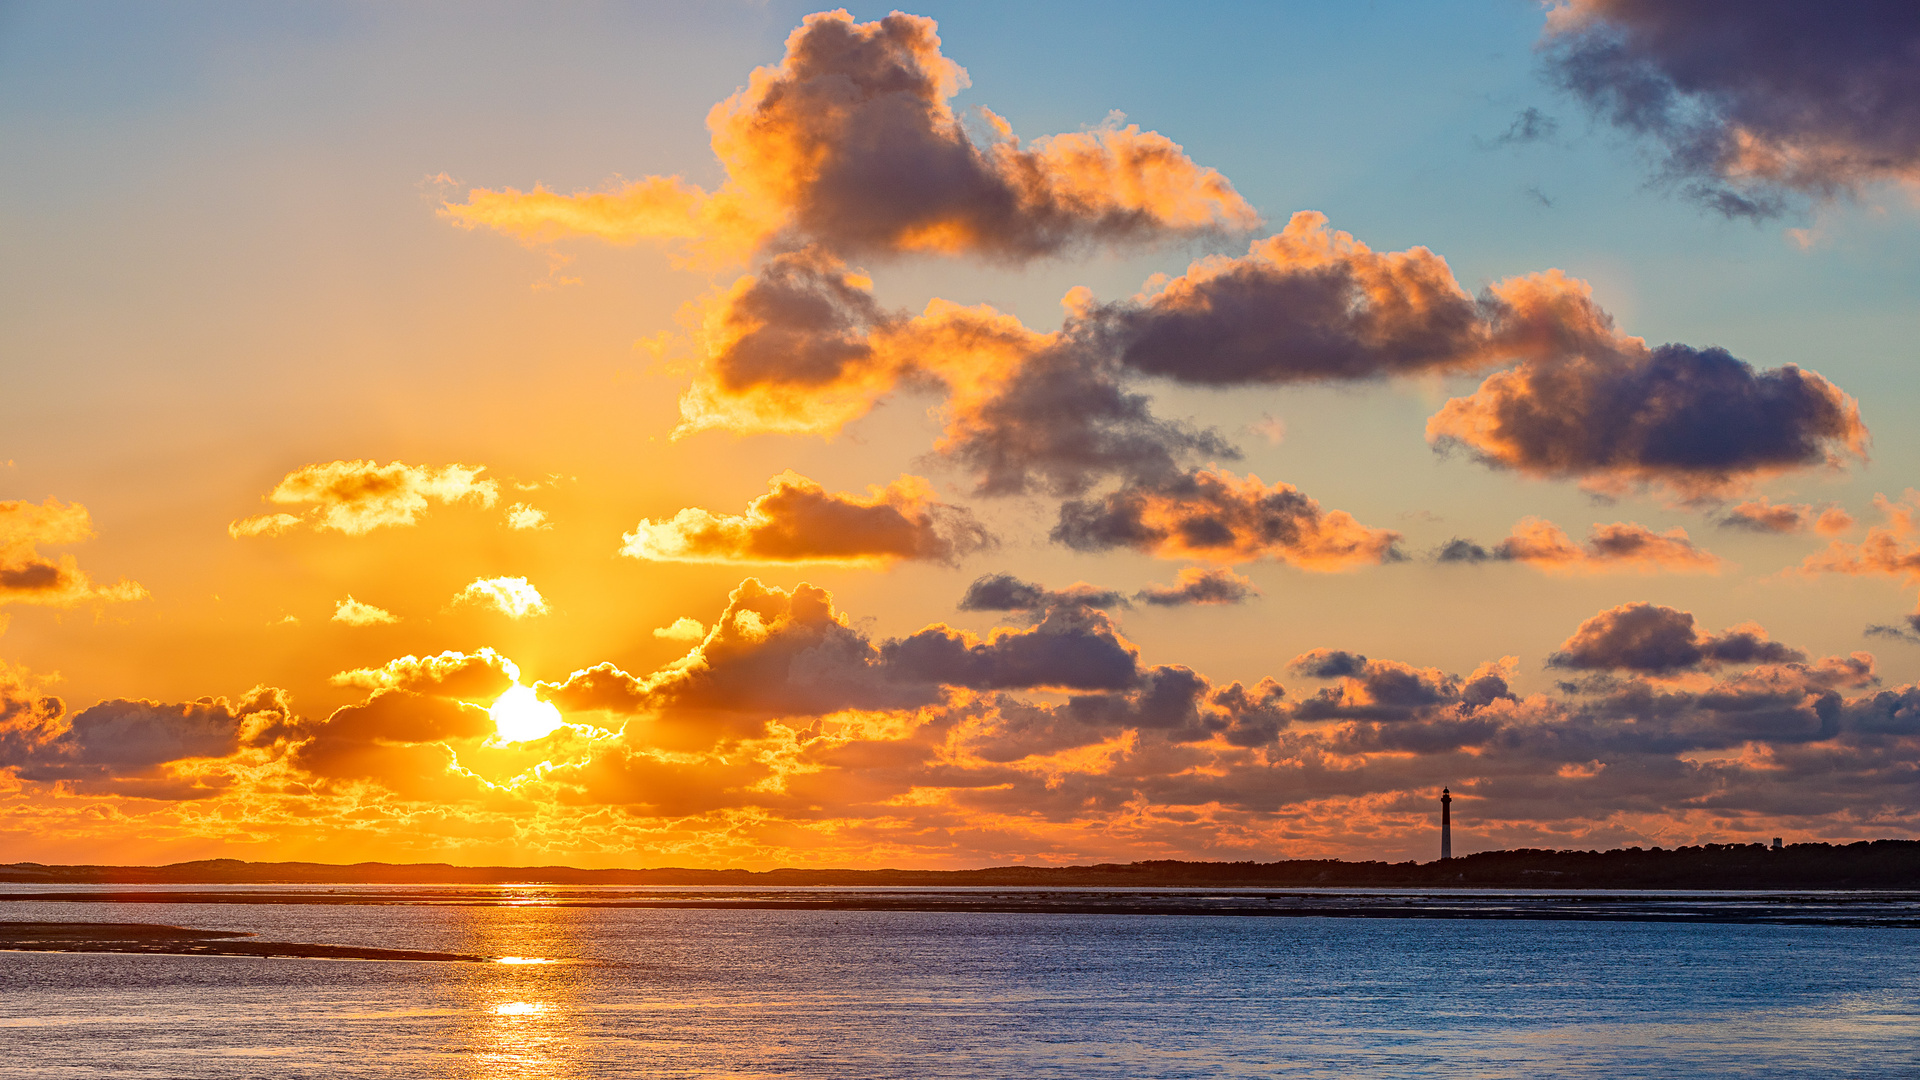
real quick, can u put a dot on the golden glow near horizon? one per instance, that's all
(1215, 483)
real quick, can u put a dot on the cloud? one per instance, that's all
(1064, 420)
(1751, 105)
(1198, 585)
(770, 653)
(1659, 640)
(1072, 647)
(801, 345)
(1697, 423)
(354, 613)
(514, 597)
(789, 731)
(800, 521)
(683, 629)
(1529, 125)
(400, 740)
(356, 497)
(125, 746)
(850, 142)
(1004, 592)
(28, 577)
(1386, 691)
(1306, 304)
(482, 675)
(1762, 516)
(523, 516)
(1889, 548)
(1609, 548)
(1309, 304)
(1219, 517)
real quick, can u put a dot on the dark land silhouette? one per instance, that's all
(1877, 864)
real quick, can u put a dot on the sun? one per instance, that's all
(519, 716)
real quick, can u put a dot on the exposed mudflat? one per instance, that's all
(99, 937)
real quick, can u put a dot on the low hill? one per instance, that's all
(1878, 864)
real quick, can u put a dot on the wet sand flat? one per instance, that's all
(99, 937)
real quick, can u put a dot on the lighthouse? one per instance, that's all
(1446, 824)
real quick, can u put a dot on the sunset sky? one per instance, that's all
(730, 434)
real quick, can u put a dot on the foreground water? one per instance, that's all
(649, 992)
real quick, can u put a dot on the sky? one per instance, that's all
(736, 434)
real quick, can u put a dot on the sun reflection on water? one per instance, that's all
(521, 1016)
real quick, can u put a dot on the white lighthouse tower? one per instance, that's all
(1446, 824)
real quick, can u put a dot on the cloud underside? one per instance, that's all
(798, 521)
(788, 728)
(1619, 547)
(29, 577)
(1751, 106)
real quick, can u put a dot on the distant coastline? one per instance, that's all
(1877, 864)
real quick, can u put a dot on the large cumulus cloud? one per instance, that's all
(1697, 423)
(1751, 102)
(1660, 640)
(851, 142)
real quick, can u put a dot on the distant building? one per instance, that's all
(1446, 824)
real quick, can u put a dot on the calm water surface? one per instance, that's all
(714, 993)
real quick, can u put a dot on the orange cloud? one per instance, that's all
(28, 577)
(1760, 515)
(1609, 548)
(850, 142)
(1217, 516)
(800, 521)
(356, 497)
(1888, 549)
(788, 736)
(802, 346)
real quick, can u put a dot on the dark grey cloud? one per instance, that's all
(1215, 515)
(1064, 421)
(1661, 640)
(1751, 103)
(1328, 664)
(1004, 592)
(129, 740)
(1699, 421)
(1196, 585)
(1072, 646)
(802, 321)
(1306, 304)
(1459, 550)
(1530, 125)
(1909, 633)
(1183, 706)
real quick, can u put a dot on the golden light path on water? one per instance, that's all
(525, 1008)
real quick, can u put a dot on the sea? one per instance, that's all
(824, 991)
